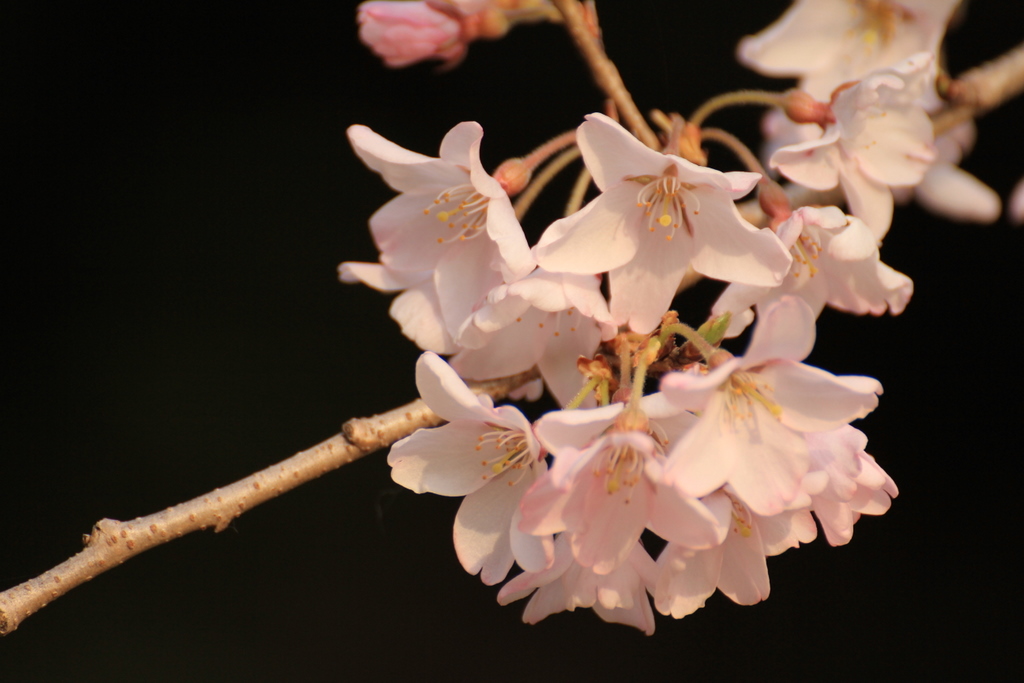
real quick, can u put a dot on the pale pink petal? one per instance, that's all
(870, 287)
(377, 276)
(855, 242)
(707, 454)
(441, 460)
(803, 39)
(639, 615)
(501, 310)
(784, 331)
(461, 143)
(446, 393)
(570, 338)
(744, 575)
(545, 290)
(584, 293)
(509, 351)
(786, 530)
(813, 400)
(735, 183)
(643, 289)
(739, 300)
(614, 522)
(596, 239)
(683, 519)
(523, 584)
(687, 579)
(868, 200)
(953, 193)
(728, 248)
(896, 149)
(574, 428)
(407, 238)
(463, 278)
(403, 170)
(668, 421)
(693, 390)
(543, 506)
(814, 164)
(482, 527)
(770, 461)
(532, 553)
(613, 154)
(504, 230)
(418, 311)
(836, 519)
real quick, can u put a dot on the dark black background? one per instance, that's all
(179, 194)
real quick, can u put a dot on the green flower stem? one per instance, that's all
(691, 335)
(732, 99)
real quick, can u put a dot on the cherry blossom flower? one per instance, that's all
(486, 453)
(619, 596)
(656, 215)
(545, 319)
(881, 137)
(451, 219)
(606, 484)
(835, 262)
(755, 411)
(845, 482)
(737, 566)
(830, 42)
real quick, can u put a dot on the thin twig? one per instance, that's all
(735, 145)
(525, 200)
(605, 72)
(113, 542)
(579, 191)
(983, 88)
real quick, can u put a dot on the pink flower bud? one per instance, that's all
(403, 33)
(513, 175)
(773, 201)
(802, 108)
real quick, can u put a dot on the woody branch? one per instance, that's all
(113, 542)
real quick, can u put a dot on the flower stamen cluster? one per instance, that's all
(743, 393)
(468, 203)
(515, 444)
(669, 195)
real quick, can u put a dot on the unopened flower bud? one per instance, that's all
(773, 201)
(513, 175)
(403, 33)
(802, 108)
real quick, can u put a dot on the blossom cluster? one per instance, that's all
(733, 457)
